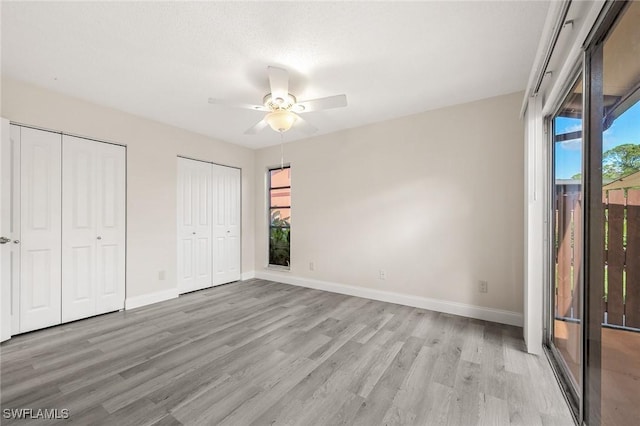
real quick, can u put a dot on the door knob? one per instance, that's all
(16, 241)
(99, 237)
(193, 233)
(4, 240)
(228, 232)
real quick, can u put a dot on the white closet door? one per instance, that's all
(78, 229)
(93, 234)
(194, 225)
(226, 229)
(9, 250)
(111, 216)
(15, 230)
(40, 176)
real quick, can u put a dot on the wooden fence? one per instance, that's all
(621, 304)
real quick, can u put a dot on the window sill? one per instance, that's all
(278, 268)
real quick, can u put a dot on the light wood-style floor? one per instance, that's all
(264, 353)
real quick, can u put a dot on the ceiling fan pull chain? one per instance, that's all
(281, 150)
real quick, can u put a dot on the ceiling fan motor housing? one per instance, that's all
(275, 104)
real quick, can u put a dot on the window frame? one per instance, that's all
(270, 208)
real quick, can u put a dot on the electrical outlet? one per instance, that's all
(162, 275)
(383, 274)
(484, 286)
(312, 266)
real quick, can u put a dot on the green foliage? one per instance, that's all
(621, 161)
(280, 240)
(276, 220)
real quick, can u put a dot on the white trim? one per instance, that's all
(150, 298)
(551, 25)
(573, 57)
(248, 275)
(455, 308)
(535, 235)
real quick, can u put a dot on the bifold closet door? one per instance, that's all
(226, 224)
(194, 225)
(6, 229)
(40, 228)
(93, 230)
(111, 229)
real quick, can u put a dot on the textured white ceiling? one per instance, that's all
(163, 60)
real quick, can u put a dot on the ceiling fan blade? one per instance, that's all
(304, 126)
(256, 128)
(232, 104)
(279, 82)
(329, 102)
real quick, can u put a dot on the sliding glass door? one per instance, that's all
(620, 333)
(594, 329)
(567, 237)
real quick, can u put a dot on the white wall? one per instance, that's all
(434, 199)
(152, 148)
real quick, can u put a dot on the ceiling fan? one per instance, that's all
(282, 107)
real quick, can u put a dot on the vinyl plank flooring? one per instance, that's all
(407, 405)
(265, 353)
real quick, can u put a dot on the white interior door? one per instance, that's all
(40, 206)
(78, 229)
(14, 231)
(194, 225)
(93, 232)
(110, 226)
(8, 234)
(226, 224)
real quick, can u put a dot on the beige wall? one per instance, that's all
(434, 199)
(152, 148)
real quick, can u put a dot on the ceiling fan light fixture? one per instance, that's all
(281, 120)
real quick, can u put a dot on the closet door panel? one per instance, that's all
(220, 188)
(203, 227)
(79, 201)
(110, 229)
(187, 199)
(12, 185)
(40, 206)
(226, 227)
(194, 225)
(234, 220)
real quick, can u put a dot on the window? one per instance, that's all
(280, 216)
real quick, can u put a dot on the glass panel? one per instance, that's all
(568, 230)
(280, 217)
(280, 177)
(281, 197)
(620, 358)
(279, 243)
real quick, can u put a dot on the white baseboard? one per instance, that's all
(150, 298)
(455, 308)
(248, 275)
